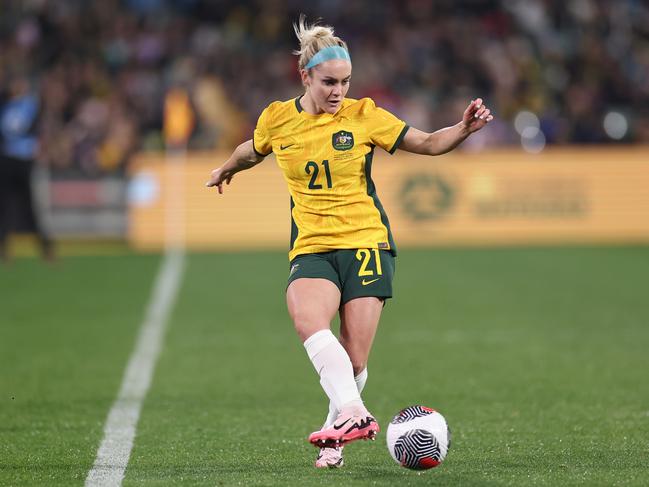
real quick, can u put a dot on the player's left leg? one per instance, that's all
(367, 283)
(359, 320)
(366, 280)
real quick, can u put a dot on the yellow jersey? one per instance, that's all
(327, 162)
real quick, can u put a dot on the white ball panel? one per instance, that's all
(433, 423)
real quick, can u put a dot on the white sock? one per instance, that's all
(332, 363)
(360, 380)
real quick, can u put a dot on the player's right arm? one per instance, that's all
(244, 157)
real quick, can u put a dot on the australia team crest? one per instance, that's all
(342, 140)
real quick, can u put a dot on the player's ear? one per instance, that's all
(304, 75)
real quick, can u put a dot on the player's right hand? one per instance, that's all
(217, 178)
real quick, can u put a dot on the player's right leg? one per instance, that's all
(359, 321)
(364, 289)
(312, 304)
(353, 423)
(333, 457)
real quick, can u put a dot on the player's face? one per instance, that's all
(328, 83)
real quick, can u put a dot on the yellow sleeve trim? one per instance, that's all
(397, 142)
(257, 152)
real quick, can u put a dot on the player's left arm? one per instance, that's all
(476, 116)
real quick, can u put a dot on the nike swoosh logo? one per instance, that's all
(341, 425)
(365, 283)
(282, 147)
(364, 423)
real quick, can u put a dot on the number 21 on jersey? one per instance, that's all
(313, 170)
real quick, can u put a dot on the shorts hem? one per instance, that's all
(315, 277)
(346, 299)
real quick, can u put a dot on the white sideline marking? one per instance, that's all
(119, 432)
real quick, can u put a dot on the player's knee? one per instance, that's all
(305, 327)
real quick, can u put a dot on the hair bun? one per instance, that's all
(313, 38)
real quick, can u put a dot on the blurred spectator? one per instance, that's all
(19, 113)
(581, 67)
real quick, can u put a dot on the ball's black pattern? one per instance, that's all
(410, 413)
(416, 445)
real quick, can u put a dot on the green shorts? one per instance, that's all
(356, 272)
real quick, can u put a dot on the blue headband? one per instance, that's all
(327, 54)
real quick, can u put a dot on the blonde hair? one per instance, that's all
(313, 38)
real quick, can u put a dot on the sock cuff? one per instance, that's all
(318, 342)
(362, 376)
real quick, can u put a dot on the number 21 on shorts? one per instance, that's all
(364, 255)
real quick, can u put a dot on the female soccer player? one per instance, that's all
(342, 253)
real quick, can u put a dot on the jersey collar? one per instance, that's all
(300, 110)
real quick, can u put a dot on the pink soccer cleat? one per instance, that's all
(347, 428)
(330, 458)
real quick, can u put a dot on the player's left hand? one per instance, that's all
(476, 116)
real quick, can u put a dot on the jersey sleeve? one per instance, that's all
(385, 130)
(262, 142)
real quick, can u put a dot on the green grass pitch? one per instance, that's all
(538, 358)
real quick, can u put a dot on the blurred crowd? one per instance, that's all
(100, 69)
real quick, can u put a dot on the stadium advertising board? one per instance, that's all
(502, 197)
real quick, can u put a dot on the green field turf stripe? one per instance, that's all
(119, 432)
(536, 357)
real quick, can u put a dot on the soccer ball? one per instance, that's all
(418, 438)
